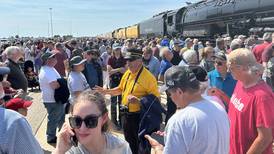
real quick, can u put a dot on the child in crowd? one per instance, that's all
(31, 77)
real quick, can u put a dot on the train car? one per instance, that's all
(115, 33)
(132, 31)
(121, 33)
(154, 26)
(217, 17)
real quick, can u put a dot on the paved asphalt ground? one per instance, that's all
(37, 117)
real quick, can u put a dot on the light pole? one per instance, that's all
(51, 25)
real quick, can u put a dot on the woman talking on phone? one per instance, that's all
(87, 131)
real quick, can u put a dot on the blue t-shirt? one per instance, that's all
(164, 66)
(227, 85)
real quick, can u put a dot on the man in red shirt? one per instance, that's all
(251, 107)
(259, 49)
(267, 54)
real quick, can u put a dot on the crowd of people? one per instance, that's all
(220, 96)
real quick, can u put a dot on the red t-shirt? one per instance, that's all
(258, 51)
(250, 108)
(267, 54)
(60, 66)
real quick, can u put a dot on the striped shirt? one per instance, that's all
(16, 135)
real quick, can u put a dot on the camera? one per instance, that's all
(123, 109)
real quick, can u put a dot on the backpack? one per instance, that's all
(61, 95)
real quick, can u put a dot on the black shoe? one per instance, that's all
(52, 141)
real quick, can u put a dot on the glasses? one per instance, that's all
(219, 63)
(230, 67)
(90, 121)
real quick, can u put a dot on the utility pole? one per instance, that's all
(51, 25)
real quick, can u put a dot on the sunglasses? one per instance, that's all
(219, 63)
(90, 121)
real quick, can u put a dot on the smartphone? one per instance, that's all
(73, 140)
(158, 138)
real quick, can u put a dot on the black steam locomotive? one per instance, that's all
(206, 19)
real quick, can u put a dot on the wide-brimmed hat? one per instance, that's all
(76, 60)
(47, 55)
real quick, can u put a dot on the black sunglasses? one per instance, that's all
(90, 121)
(219, 63)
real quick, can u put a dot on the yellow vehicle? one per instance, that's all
(132, 31)
(115, 33)
(122, 33)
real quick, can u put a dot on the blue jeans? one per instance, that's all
(56, 117)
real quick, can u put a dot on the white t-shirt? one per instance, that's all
(28, 56)
(76, 82)
(46, 76)
(201, 127)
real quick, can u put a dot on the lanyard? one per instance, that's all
(136, 79)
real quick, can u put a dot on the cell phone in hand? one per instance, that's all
(158, 138)
(73, 140)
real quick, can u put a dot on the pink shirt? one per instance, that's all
(250, 108)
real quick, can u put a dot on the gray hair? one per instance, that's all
(255, 69)
(11, 50)
(163, 50)
(219, 41)
(267, 37)
(235, 44)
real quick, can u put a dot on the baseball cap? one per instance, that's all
(133, 54)
(76, 60)
(178, 76)
(46, 56)
(188, 40)
(17, 103)
(220, 55)
(4, 70)
(116, 46)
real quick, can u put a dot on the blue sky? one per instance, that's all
(77, 17)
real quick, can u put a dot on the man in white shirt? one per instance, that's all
(48, 82)
(198, 126)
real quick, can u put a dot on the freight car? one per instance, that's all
(132, 31)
